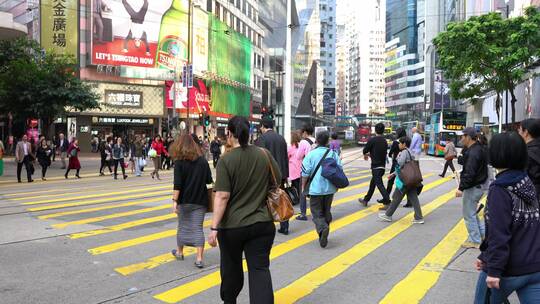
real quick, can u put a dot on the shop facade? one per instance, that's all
(125, 110)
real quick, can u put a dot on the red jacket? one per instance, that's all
(159, 147)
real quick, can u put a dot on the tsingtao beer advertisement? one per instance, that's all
(144, 33)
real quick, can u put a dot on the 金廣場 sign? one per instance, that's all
(59, 26)
(123, 98)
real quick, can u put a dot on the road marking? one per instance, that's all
(63, 192)
(192, 288)
(414, 287)
(62, 179)
(359, 177)
(426, 274)
(126, 225)
(172, 232)
(132, 242)
(156, 261)
(108, 194)
(336, 266)
(58, 214)
(110, 216)
(9, 185)
(97, 201)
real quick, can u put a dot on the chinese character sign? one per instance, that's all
(59, 26)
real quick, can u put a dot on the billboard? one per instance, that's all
(59, 26)
(230, 100)
(233, 60)
(441, 91)
(329, 101)
(177, 95)
(143, 33)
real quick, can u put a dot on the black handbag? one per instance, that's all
(292, 192)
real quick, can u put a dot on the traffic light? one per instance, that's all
(201, 119)
(267, 113)
(206, 120)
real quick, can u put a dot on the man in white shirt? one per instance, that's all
(23, 156)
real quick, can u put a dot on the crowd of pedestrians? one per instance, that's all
(242, 224)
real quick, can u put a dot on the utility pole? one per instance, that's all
(287, 85)
(190, 51)
(507, 16)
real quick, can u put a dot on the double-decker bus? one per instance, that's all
(363, 133)
(444, 126)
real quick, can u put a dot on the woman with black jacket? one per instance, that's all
(510, 253)
(105, 149)
(43, 154)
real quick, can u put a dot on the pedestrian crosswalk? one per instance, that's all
(111, 219)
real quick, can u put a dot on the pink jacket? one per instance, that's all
(295, 165)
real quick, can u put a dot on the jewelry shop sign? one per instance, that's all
(123, 99)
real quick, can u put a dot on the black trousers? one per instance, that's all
(27, 165)
(376, 181)
(449, 163)
(296, 184)
(215, 159)
(121, 163)
(255, 242)
(391, 181)
(43, 170)
(320, 206)
(105, 163)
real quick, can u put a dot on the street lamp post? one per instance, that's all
(507, 16)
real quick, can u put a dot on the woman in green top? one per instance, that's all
(241, 221)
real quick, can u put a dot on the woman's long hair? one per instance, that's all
(185, 148)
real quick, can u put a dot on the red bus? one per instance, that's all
(364, 133)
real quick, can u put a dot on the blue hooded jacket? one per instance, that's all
(512, 243)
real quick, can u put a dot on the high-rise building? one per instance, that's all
(365, 40)
(341, 72)
(25, 12)
(404, 67)
(327, 9)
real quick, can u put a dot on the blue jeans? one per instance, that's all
(137, 161)
(527, 288)
(475, 227)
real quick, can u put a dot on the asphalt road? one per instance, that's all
(99, 240)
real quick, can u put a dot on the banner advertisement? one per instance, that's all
(441, 91)
(329, 101)
(59, 26)
(177, 95)
(233, 61)
(147, 33)
(230, 100)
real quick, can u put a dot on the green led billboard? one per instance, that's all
(229, 57)
(230, 53)
(230, 100)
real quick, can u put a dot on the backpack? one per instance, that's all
(334, 173)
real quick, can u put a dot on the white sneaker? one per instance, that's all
(421, 221)
(383, 217)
